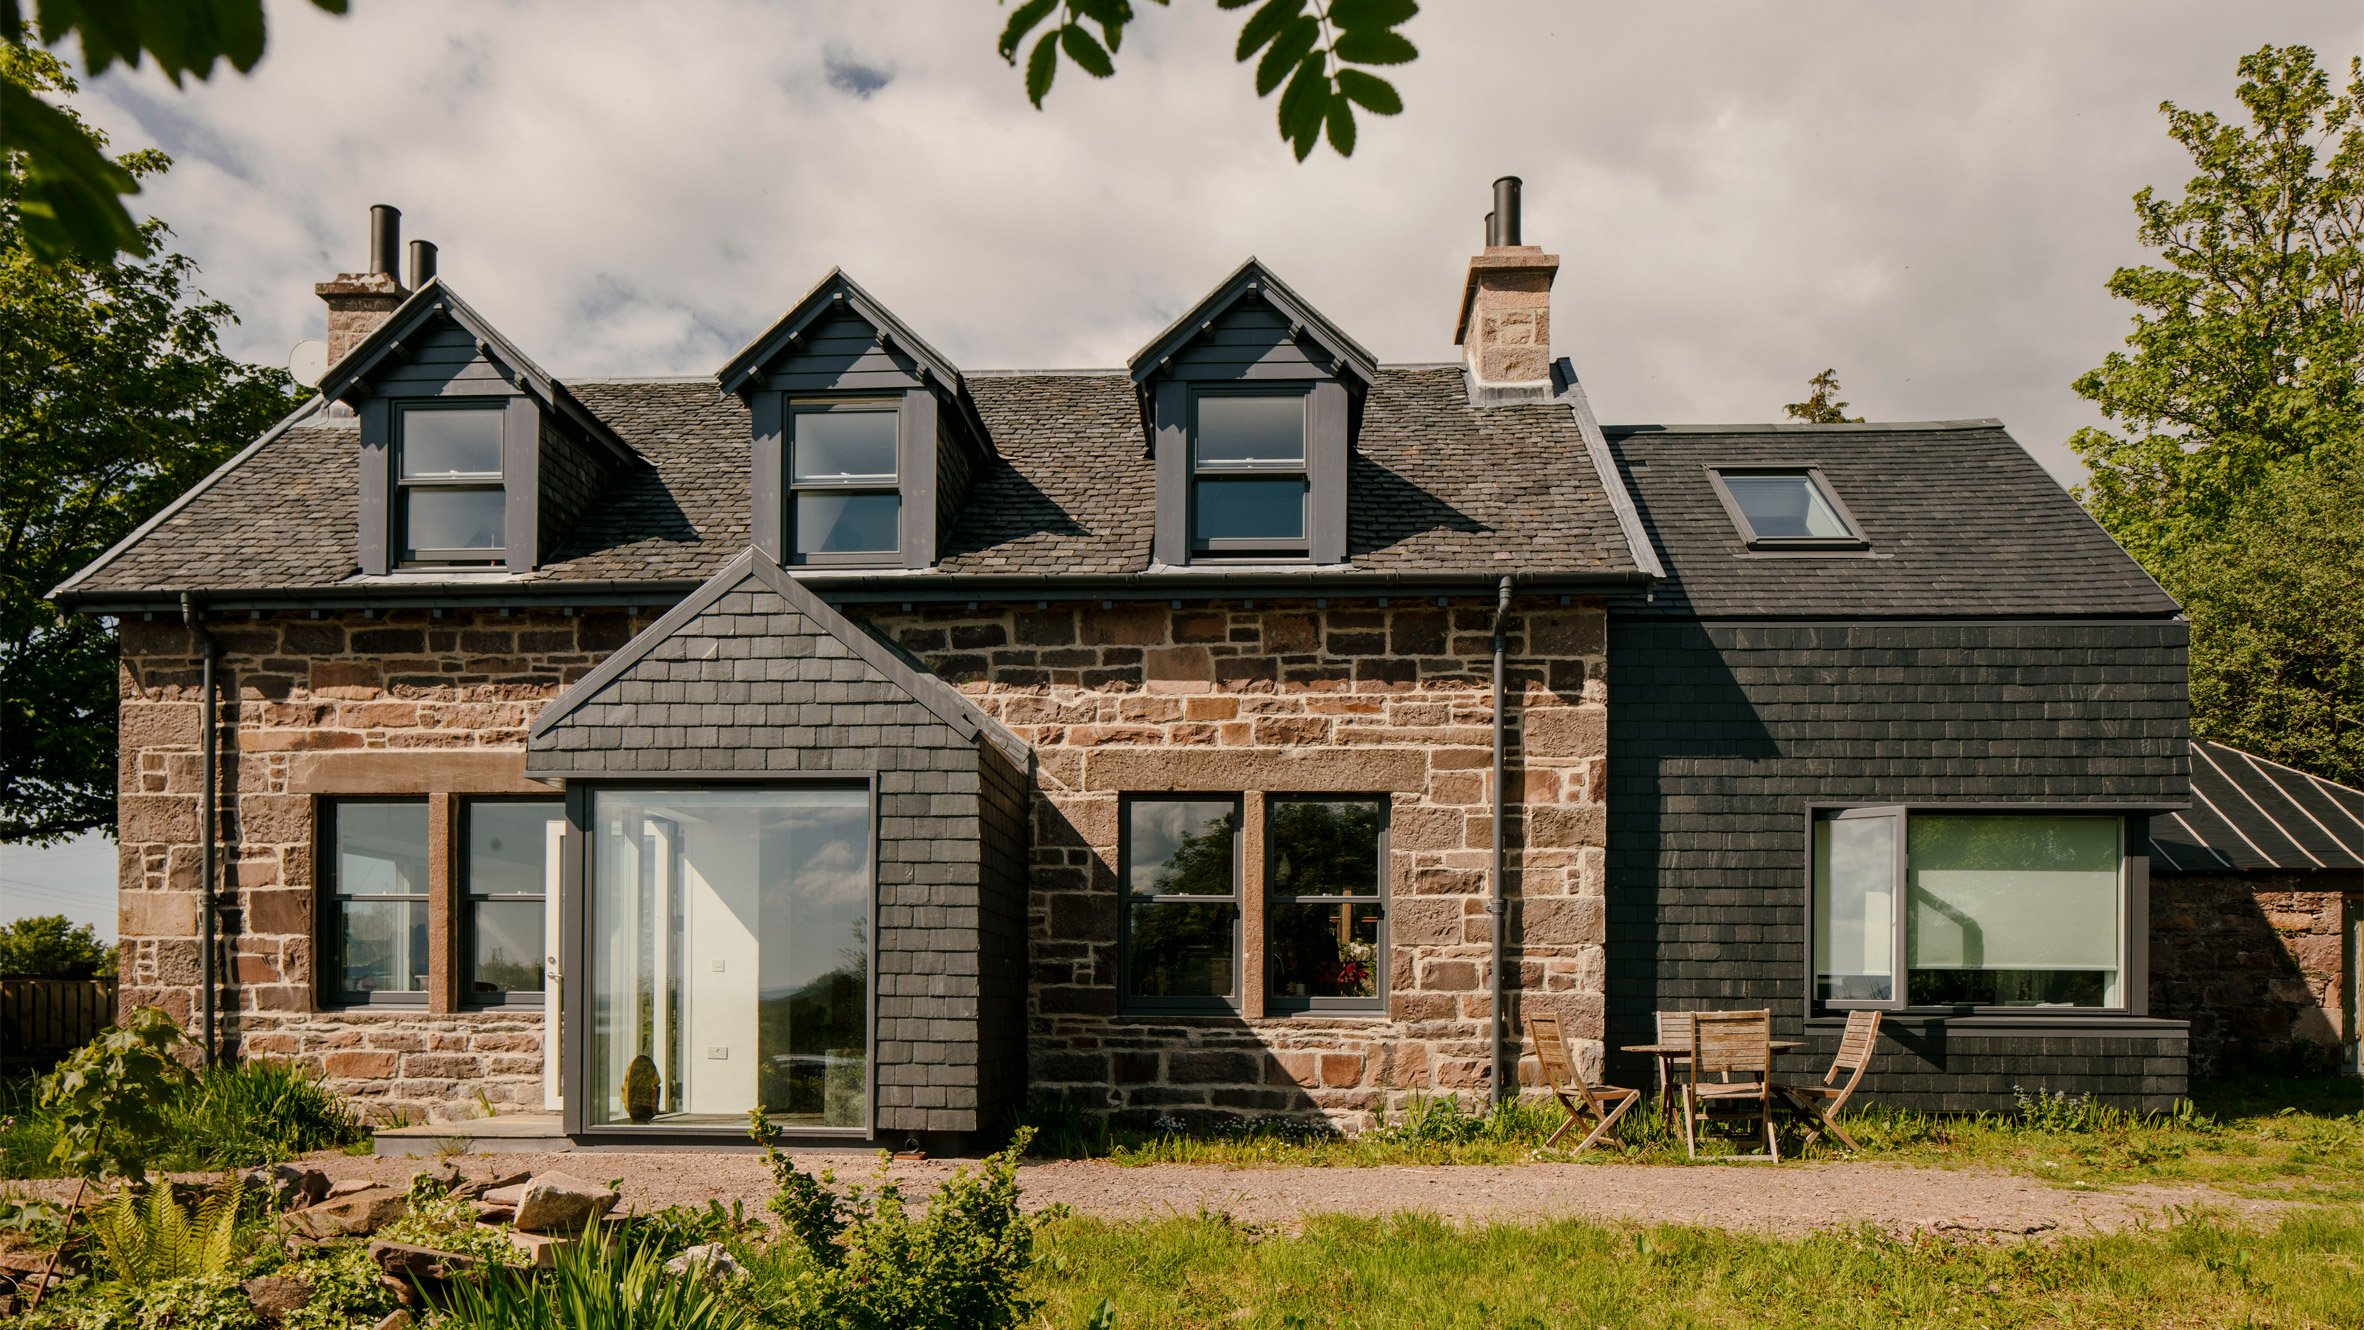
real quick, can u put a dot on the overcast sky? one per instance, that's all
(1926, 197)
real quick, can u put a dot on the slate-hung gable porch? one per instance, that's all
(1254, 728)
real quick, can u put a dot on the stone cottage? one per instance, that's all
(1253, 728)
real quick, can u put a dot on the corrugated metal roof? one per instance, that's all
(2249, 814)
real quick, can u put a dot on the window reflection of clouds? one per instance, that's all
(1159, 830)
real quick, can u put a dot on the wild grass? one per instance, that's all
(2300, 1139)
(1421, 1271)
(228, 1117)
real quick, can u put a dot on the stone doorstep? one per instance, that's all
(509, 1134)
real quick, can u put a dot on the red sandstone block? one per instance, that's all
(358, 1065)
(1341, 1069)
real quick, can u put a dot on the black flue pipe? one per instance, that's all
(422, 263)
(385, 239)
(1505, 217)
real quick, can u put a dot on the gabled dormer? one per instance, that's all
(865, 438)
(472, 457)
(1251, 402)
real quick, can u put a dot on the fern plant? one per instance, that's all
(147, 1240)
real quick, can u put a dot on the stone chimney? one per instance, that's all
(359, 301)
(1504, 331)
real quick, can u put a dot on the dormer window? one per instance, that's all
(843, 469)
(1786, 508)
(1249, 485)
(451, 500)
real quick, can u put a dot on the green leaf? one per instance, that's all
(1023, 20)
(1303, 104)
(72, 204)
(1041, 67)
(1371, 92)
(1227, 4)
(1347, 15)
(1088, 54)
(186, 37)
(1266, 24)
(1376, 46)
(1340, 122)
(1288, 48)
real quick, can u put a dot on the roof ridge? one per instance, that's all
(1799, 427)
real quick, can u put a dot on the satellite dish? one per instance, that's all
(308, 362)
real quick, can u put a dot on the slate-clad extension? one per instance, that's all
(1472, 710)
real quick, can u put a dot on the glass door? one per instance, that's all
(729, 955)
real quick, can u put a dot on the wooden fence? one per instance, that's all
(42, 1020)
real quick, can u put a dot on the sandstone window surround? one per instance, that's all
(447, 784)
(1252, 904)
(1975, 909)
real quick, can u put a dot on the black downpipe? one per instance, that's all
(207, 816)
(1497, 889)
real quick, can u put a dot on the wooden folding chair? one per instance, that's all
(1674, 1030)
(1725, 1043)
(1822, 1103)
(1605, 1102)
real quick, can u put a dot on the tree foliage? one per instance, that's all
(51, 946)
(2248, 337)
(2237, 411)
(72, 193)
(1822, 406)
(1318, 54)
(115, 397)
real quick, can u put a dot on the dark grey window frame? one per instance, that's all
(918, 423)
(399, 537)
(792, 487)
(1126, 1002)
(2133, 910)
(574, 955)
(329, 917)
(467, 898)
(1377, 1003)
(1813, 476)
(380, 543)
(1328, 453)
(1203, 550)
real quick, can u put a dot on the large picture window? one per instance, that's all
(373, 891)
(1968, 909)
(729, 953)
(510, 854)
(1248, 476)
(845, 504)
(450, 495)
(1326, 868)
(1180, 870)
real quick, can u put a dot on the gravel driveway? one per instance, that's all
(1790, 1199)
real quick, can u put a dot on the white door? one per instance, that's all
(550, 976)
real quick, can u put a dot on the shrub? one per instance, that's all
(256, 1113)
(107, 1098)
(862, 1261)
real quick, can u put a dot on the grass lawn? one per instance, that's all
(2288, 1138)
(1415, 1271)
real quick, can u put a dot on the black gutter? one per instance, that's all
(207, 819)
(872, 588)
(1497, 895)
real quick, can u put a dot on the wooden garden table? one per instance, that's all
(1666, 1055)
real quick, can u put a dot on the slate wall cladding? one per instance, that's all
(2255, 962)
(1726, 732)
(753, 687)
(1274, 697)
(407, 689)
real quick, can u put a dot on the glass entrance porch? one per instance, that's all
(728, 950)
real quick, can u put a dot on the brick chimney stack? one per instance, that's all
(1504, 329)
(359, 301)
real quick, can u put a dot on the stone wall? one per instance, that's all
(2256, 962)
(1277, 697)
(406, 702)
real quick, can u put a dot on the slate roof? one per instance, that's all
(2250, 815)
(1961, 522)
(1438, 487)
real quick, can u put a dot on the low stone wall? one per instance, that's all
(2255, 962)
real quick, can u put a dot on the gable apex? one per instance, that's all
(836, 291)
(1252, 280)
